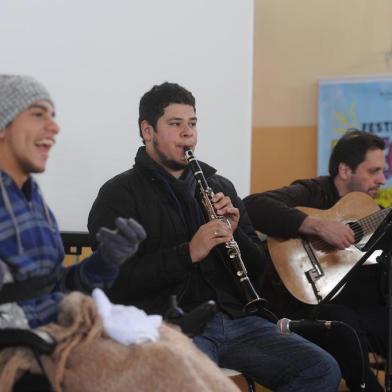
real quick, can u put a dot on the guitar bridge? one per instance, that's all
(312, 275)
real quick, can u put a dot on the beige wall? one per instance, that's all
(295, 43)
(280, 155)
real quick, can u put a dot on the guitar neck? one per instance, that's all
(370, 223)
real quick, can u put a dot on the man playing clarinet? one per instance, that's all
(185, 253)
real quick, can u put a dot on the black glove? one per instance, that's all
(115, 246)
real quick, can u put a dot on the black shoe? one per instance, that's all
(191, 323)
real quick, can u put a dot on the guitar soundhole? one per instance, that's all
(357, 230)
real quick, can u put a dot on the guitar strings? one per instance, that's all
(366, 226)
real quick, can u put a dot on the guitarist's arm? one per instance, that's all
(274, 212)
(334, 233)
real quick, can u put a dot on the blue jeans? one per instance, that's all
(254, 346)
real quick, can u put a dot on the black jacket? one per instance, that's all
(163, 266)
(274, 212)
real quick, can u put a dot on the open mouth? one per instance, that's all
(44, 144)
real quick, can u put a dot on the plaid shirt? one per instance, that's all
(31, 245)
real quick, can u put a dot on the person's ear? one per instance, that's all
(344, 171)
(147, 130)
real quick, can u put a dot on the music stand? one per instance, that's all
(380, 240)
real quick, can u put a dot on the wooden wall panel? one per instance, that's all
(281, 155)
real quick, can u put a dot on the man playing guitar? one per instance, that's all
(356, 165)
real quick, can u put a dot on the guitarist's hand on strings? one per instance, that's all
(336, 234)
(208, 236)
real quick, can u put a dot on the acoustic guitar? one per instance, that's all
(309, 267)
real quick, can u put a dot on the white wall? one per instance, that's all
(99, 57)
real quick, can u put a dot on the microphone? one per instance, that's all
(285, 325)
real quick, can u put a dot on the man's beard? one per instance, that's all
(167, 162)
(358, 187)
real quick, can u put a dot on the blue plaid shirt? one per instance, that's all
(31, 246)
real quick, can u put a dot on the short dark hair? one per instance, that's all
(153, 103)
(351, 149)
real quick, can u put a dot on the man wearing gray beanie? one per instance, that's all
(31, 249)
(17, 94)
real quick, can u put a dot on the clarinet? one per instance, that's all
(253, 301)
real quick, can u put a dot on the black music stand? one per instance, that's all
(380, 240)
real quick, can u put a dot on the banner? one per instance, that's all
(363, 103)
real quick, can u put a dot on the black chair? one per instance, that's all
(39, 342)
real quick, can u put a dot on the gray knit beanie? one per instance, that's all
(17, 93)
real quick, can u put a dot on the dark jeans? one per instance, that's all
(253, 346)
